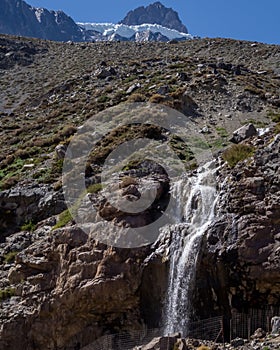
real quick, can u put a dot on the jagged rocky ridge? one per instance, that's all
(63, 288)
(155, 13)
(19, 18)
(160, 24)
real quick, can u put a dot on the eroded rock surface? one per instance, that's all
(240, 259)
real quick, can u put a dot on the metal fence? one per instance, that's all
(124, 341)
(209, 329)
(241, 325)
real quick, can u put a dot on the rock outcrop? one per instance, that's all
(24, 204)
(65, 288)
(70, 290)
(244, 133)
(239, 262)
(155, 13)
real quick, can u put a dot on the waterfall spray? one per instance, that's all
(196, 203)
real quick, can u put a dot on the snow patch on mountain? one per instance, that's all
(125, 31)
(38, 13)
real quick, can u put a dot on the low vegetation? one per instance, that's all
(10, 257)
(63, 219)
(237, 153)
(6, 293)
(28, 226)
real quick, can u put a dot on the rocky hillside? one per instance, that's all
(155, 13)
(61, 288)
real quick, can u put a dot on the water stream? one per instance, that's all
(195, 211)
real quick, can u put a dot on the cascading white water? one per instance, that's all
(196, 203)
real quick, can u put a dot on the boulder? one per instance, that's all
(161, 343)
(60, 151)
(275, 323)
(258, 334)
(237, 342)
(133, 88)
(102, 73)
(243, 133)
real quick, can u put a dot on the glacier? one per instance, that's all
(126, 31)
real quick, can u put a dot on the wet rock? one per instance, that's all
(241, 248)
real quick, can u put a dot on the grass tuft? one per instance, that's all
(237, 153)
(64, 218)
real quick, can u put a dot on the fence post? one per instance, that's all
(223, 331)
(268, 323)
(249, 327)
(167, 341)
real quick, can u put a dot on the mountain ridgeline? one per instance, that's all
(155, 13)
(19, 18)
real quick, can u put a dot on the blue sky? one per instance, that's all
(254, 20)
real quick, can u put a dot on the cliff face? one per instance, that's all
(19, 18)
(239, 262)
(75, 290)
(155, 13)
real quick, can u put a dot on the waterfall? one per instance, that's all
(196, 202)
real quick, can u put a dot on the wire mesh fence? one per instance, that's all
(210, 329)
(205, 329)
(124, 341)
(243, 325)
(240, 325)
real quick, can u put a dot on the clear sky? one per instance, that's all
(255, 20)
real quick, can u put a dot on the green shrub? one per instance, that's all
(277, 128)
(221, 131)
(236, 153)
(274, 116)
(28, 226)
(94, 188)
(103, 99)
(157, 98)
(10, 257)
(6, 293)
(137, 97)
(64, 218)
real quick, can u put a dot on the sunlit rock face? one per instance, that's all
(19, 18)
